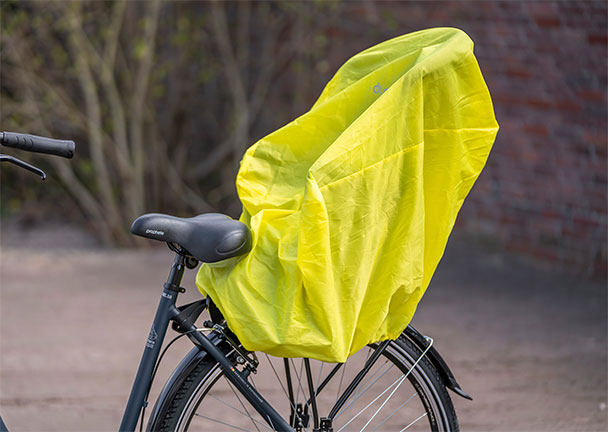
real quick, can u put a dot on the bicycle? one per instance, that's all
(218, 375)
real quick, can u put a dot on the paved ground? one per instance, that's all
(527, 343)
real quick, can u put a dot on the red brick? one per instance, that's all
(572, 10)
(601, 150)
(361, 9)
(592, 95)
(569, 106)
(597, 38)
(539, 9)
(576, 233)
(545, 253)
(518, 72)
(519, 246)
(510, 7)
(485, 212)
(539, 103)
(536, 129)
(585, 222)
(531, 156)
(596, 138)
(509, 219)
(551, 214)
(547, 21)
(509, 98)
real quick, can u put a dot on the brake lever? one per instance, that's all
(22, 164)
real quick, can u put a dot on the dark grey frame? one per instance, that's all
(166, 312)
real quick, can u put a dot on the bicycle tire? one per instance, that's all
(195, 385)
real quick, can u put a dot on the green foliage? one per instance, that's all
(140, 48)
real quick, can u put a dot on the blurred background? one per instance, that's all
(163, 98)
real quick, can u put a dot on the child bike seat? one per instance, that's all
(208, 237)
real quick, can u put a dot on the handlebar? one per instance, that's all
(38, 144)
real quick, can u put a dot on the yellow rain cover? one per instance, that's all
(351, 204)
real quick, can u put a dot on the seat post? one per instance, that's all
(177, 272)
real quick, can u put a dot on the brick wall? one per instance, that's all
(543, 192)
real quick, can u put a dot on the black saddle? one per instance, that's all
(208, 237)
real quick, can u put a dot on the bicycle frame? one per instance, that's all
(166, 312)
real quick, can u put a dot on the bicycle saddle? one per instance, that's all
(208, 237)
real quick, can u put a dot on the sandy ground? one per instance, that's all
(530, 345)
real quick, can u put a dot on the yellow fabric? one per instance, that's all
(351, 204)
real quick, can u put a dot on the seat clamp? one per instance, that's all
(175, 288)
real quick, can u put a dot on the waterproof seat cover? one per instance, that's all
(351, 204)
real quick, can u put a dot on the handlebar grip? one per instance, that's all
(38, 144)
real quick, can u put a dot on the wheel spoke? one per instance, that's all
(360, 392)
(243, 405)
(397, 410)
(299, 376)
(238, 410)
(354, 399)
(328, 378)
(279, 380)
(220, 422)
(320, 374)
(401, 382)
(385, 401)
(430, 344)
(379, 401)
(370, 404)
(407, 427)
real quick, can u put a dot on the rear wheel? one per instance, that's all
(392, 396)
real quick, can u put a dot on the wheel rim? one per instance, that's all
(216, 405)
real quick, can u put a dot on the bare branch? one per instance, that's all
(113, 32)
(80, 56)
(58, 100)
(83, 196)
(239, 97)
(242, 38)
(274, 58)
(220, 29)
(65, 171)
(212, 161)
(104, 66)
(189, 196)
(142, 78)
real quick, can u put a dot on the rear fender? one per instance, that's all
(435, 358)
